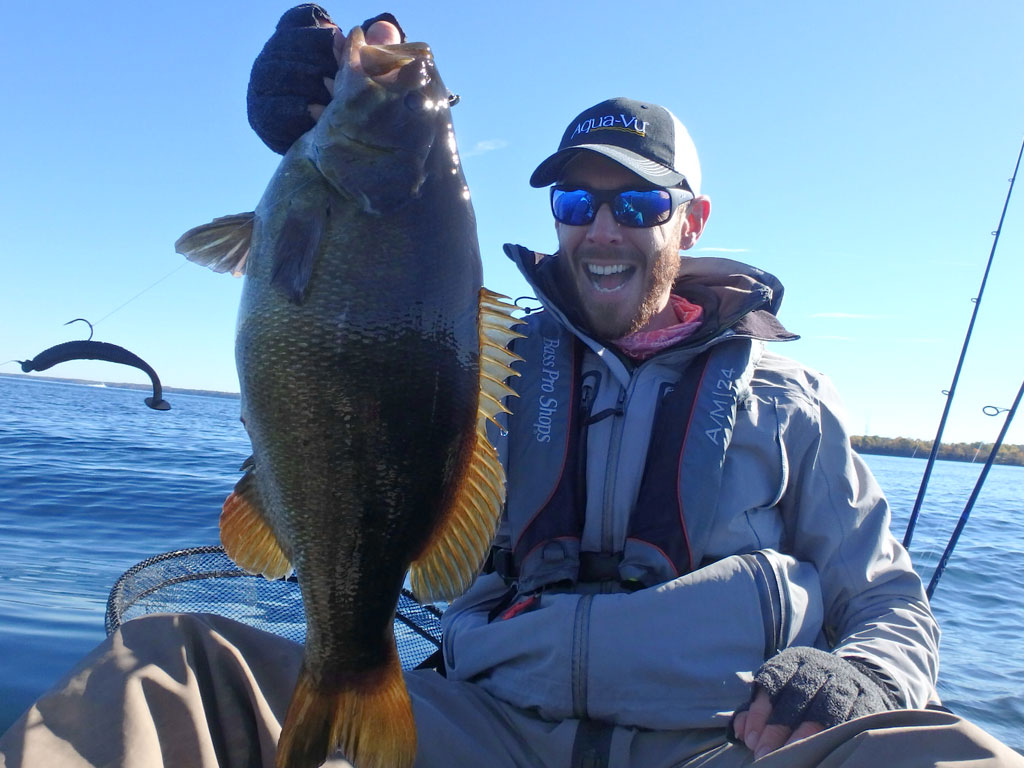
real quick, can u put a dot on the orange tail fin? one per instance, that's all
(371, 723)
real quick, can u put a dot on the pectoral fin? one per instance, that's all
(245, 533)
(295, 249)
(222, 245)
(453, 557)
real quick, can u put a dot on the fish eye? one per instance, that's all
(415, 101)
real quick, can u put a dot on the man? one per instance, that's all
(625, 320)
(687, 534)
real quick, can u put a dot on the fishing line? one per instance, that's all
(956, 375)
(941, 567)
(270, 206)
(133, 298)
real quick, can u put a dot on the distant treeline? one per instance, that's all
(904, 446)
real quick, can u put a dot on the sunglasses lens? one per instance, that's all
(631, 207)
(646, 208)
(574, 207)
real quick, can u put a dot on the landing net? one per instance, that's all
(204, 580)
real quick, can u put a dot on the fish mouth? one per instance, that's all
(380, 62)
(399, 67)
(377, 61)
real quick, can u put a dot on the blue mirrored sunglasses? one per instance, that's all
(630, 207)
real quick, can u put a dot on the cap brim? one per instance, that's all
(550, 171)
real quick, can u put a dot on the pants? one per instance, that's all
(200, 691)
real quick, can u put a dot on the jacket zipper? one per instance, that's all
(612, 467)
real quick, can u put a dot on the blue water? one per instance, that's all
(92, 481)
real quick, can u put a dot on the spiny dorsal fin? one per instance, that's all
(245, 534)
(222, 245)
(453, 557)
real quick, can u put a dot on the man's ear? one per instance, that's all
(697, 212)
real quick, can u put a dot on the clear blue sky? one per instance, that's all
(858, 151)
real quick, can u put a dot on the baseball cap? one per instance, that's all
(647, 139)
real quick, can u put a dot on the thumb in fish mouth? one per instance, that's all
(383, 29)
(380, 33)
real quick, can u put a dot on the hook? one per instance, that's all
(83, 320)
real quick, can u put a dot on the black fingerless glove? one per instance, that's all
(288, 75)
(805, 684)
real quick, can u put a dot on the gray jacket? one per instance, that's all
(797, 551)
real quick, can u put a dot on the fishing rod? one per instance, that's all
(960, 363)
(974, 494)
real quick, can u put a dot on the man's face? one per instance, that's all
(620, 276)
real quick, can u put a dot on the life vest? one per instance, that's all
(546, 466)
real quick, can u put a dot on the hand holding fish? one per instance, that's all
(293, 76)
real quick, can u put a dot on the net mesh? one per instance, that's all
(204, 580)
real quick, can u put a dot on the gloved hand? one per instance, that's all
(288, 75)
(806, 686)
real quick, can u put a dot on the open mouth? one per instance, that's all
(608, 278)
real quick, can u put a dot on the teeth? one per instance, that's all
(611, 269)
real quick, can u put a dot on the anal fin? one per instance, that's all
(247, 537)
(453, 557)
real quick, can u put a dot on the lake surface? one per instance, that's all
(92, 481)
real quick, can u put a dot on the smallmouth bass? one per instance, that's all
(369, 360)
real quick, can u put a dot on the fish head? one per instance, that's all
(388, 125)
